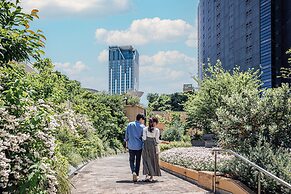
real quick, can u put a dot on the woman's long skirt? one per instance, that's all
(150, 158)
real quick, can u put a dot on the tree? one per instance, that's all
(178, 100)
(163, 102)
(217, 83)
(286, 71)
(17, 41)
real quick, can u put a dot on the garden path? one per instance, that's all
(111, 175)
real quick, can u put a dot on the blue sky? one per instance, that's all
(79, 32)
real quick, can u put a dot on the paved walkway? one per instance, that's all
(111, 175)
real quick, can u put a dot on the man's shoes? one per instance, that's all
(134, 177)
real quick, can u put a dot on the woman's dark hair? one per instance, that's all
(151, 123)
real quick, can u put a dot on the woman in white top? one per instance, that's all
(150, 152)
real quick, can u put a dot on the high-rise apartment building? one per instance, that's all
(123, 69)
(246, 33)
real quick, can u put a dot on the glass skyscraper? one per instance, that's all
(246, 33)
(123, 69)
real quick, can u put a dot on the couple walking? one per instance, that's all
(143, 142)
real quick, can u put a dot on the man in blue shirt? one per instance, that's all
(133, 138)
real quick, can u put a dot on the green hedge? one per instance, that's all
(174, 144)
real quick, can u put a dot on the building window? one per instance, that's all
(218, 36)
(249, 49)
(249, 37)
(218, 7)
(248, 25)
(249, 60)
(249, 13)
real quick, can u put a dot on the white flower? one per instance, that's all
(41, 101)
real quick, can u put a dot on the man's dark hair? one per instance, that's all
(140, 116)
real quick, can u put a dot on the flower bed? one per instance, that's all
(195, 158)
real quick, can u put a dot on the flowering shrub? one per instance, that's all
(30, 128)
(27, 148)
(78, 138)
(39, 134)
(195, 158)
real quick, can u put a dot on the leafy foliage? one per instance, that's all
(163, 102)
(275, 161)
(174, 144)
(17, 41)
(47, 121)
(26, 137)
(202, 105)
(131, 100)
(286, 71)
(175, 130)
(87, 125)
(247, 119)
(250, 115)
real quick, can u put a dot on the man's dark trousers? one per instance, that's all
(134, 160)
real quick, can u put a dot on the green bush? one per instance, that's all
(41, 111)
(18, 41)
(26, 137)
(164, 102)
(257, 125)
(172, 134)
(275, 161)
(61, 166)
(176, 130)
(251, 121)
(250, 115)
(186, 138)
(217, 83)
(174, 144)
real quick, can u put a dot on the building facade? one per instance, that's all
(188, 88)
(123, 69)
(245, 33)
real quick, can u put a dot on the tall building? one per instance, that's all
(246, 33)
(123, 69)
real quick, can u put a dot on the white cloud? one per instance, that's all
(147, 30)
(163, 58)
(192, 40)
(94, 82)
(71, 69)
(166, 71)
(73, 7)
(103, 56)
(79, 71)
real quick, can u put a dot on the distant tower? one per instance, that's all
(123, 69)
